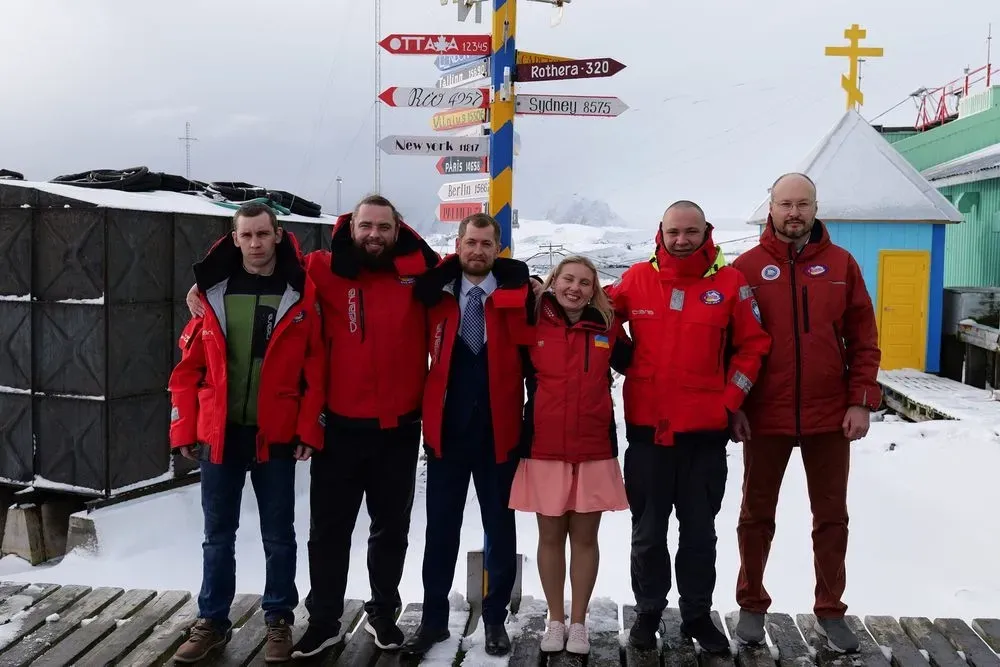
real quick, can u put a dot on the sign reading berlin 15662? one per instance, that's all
(590, 68)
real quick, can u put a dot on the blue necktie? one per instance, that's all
(473, 320)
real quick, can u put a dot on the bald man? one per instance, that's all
(698, 348)
(815, 393)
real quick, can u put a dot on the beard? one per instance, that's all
(384, 261)
(478, 269)
(803, 231)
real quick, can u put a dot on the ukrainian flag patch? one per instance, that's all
(601, 341)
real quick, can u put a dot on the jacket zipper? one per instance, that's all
(361, 312)
(805, 309)
(246, 398)
(798, 351)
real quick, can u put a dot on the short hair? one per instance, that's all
(252, 210)
(479, 221)
(683, 204)
(790, 175)
(378, 200)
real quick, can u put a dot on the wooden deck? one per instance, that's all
(45, 624)
(924, 397)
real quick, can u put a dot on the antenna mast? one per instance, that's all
(187, 139)
(989, 64)
(378, 89)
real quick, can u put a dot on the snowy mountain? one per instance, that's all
(582, 211)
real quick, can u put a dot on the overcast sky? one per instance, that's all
(723, 94)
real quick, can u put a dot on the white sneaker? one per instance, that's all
(578, 641)
(554, 638)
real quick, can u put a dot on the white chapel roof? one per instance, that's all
(860, 177)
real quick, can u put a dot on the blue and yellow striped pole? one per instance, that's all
(502, 122)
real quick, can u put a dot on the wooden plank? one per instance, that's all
(706, 659)
(677, 648)
(964, 639)
(298, 628)
(35, 616)
(748, 656)
(8, 588)
(826, 656)
(939, 650)
(526, 648)
(408, 622)
(350, 621)
(635, 657)
(870, 651)
(246, 640)
(24, 598)
(359, 650)
(605, 634)
(83, 638)
(887, 632)
(792, 649)
(128, 635)
(162, 642)
(989, 630)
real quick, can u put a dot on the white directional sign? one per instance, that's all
(475, 190)
(465, 76)
(420, 145)
(568, 105)
(435, 98)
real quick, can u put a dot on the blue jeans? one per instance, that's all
(221, 495)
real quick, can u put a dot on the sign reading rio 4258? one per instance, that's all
(435, 98)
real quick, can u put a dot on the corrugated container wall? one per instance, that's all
(972, 248)
(957, 138)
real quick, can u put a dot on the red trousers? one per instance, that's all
(826, 458)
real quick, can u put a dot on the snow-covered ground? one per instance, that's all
(921, 542)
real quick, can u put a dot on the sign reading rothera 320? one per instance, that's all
(475, 190)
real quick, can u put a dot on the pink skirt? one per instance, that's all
(552, 488)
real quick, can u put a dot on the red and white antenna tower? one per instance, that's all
(937, 106)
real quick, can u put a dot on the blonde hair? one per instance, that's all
(600, 300)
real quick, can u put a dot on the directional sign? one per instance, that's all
(435, 98)
(466, 75)
(591, 68)
(418, 145)
(529, 58)
(477, 190)
(431, 45)
(457, 118)
(463, 165)
(568, 105)
(456, 212)
(445, 63)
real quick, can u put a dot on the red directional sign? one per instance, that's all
(589, 68)
(456, 164)
(458, 211)
(437, 45)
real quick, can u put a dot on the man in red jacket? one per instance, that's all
(480, 309)
(698, 346)
(816, 392)
(247, 394)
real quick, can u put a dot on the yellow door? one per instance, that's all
(903, 287)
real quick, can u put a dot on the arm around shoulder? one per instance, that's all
(312, 422)
(183, 385)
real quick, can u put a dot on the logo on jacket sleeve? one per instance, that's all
(770, 272)
(816, 269)
(352, 309)
(407, 280)
(601, 341)
(755, 309)
(175, 414)
(711, 297)
(438, 341)
(301, 315)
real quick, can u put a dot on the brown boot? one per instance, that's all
(203, 638)
(278, 647)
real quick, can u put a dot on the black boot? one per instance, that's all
(497, 641)
(709, 636)
(643, 633)
(424, 639)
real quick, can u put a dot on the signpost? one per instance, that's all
(435, 98)
(458, 118)
(456, 212)
(419, 145)
(476, 190)
(462, 165)
(431, 45)
(590, 68)
(445, 63)
(568, 105)
(458, 77)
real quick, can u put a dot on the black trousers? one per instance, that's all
(380, 465)
(690, 477)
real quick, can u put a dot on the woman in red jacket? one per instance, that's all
(570, 474)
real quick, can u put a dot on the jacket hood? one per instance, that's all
(819, 239)
(224, 257)
(413, 255)
(510, 274)
(697, 264)
(591, 318)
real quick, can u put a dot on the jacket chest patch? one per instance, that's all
(301, 315)
(407, 280)
(816, 269)
(677, 299)
(352, 309)
(601, 341)
(770, 272)
(711, 297)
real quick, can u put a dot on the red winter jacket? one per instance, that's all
(375, 331)
(569, 415)
(825, 355)
(293, 374)
(684, 315)
(509, 314)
